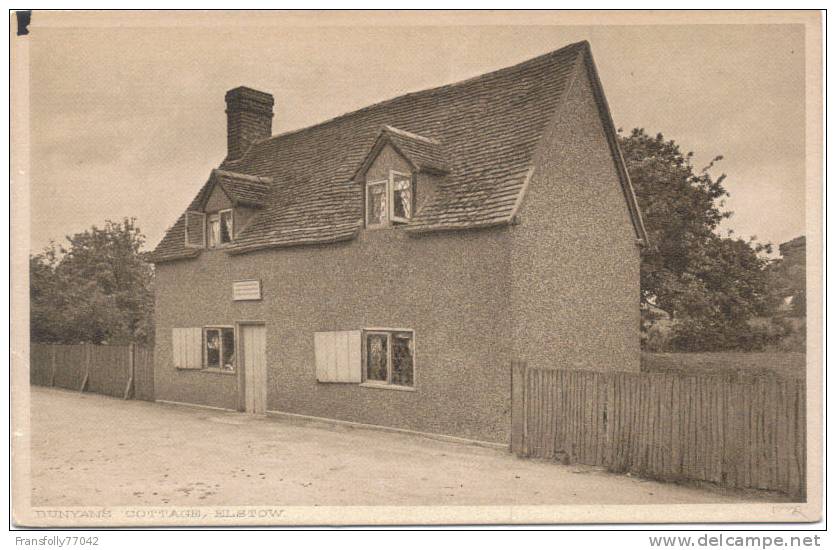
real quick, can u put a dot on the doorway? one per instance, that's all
(252, 344)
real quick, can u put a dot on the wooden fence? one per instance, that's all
(736, 432)
(118, 371)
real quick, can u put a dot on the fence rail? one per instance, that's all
(743, 433)
(118, 371)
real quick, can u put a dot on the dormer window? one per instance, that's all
(211, 222)
(399, 166)
(390, 201)
(209, 230)
(219, 228)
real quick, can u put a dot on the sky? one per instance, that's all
(130, 121)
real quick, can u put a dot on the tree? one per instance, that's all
(96, 289)
(711, 285)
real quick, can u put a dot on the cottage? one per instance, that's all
(386, 266)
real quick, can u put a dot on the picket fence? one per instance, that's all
(732, 431)
(120, 371)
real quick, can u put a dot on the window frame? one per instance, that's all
(205, 359)
(369, 185)
(389, 333)
(389, 189)
(221, 213)
(394, 220)
(209, 220)
(219, 216)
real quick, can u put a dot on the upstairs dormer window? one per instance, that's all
(210, 230)
(390, 201)
(219, 228)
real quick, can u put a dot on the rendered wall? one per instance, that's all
(575, 259)
(451, 289)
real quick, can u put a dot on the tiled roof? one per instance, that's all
(243, 189)
(423, 153)
(483, 132)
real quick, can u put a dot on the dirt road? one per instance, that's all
(89, 450)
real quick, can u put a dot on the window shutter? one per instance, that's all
(338, 356)
(186, 348)
(195, 229)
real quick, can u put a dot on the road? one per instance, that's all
(90, 450)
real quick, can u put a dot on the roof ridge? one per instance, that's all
(404, 133)
(263, 180)
(492, 74)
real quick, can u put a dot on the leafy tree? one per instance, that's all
(711, 285)
(95, 289)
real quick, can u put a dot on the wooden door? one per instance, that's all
(253, 344)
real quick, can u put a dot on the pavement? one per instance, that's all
(91, 450)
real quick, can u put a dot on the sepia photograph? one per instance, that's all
(393, 268)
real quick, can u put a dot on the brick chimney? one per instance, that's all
(249, 118)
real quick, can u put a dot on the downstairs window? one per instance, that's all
(219, 348)
(389, 357)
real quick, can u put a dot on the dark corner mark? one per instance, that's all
(23, 19)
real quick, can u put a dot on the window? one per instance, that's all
(390, 201)
(377, 211)
(226, 226)
(214, 230)
(401, 197)
(219, 228)
(390, 357)
(377, 357)
(219, 348)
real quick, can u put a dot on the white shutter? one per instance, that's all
(338, 357)
(186, 348)
(195, 229)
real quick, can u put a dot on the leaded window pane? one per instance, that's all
(402, 359)
(377, 204)
(214, 230)
(377, 357)
(228, 345)
(213, 348)
(402, 197)
(226, 227)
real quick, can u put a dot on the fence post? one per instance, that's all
(87, 359)
(52, 366)
(129, 388)
(517, 406)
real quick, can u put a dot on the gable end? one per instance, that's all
(615, 150)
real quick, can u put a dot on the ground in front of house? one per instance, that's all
(90, 450)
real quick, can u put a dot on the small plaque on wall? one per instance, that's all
(246, 290)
